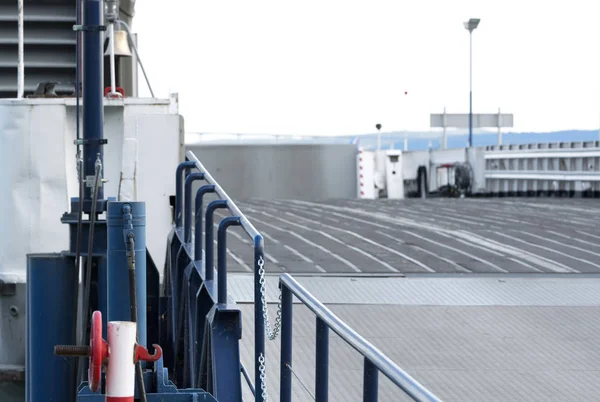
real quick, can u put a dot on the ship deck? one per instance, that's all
(478, 299)
(434, 236)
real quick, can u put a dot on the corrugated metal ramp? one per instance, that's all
(468, 339)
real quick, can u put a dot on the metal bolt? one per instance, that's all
(71, 350)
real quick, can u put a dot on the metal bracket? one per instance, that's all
(89, 28)
(89, 181)
(7, 288)
(99, 141)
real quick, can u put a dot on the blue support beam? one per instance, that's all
(370, 382)
(50, 322)
(93, 106)
(286, 344)
(322, 358)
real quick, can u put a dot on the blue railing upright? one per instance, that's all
(196, 302)
(375, 361)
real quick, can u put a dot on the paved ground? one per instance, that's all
(416, 236)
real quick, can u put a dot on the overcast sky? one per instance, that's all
(339, 67)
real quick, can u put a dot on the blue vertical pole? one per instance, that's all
(370, 382)
(209, 267)
(259, 322)
(222, 256)
(124, 218)
(209, 188)
(93, 106)
(187, 223)
(286, 344)
(322, 356)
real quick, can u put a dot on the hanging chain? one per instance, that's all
(271, 332)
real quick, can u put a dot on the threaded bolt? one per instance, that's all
(71, 350)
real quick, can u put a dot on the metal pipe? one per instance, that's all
(322, 358)
(187, 165)
(21, 65)
(259, 322)
(222, 256)
(93, 106)
(286, 344)
(209, 188)
(209, 267)
(187, 208)
(125, 219)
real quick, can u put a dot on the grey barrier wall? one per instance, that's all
(282, 171)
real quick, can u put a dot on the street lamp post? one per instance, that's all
(470, 26)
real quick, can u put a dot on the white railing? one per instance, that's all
(533, 169)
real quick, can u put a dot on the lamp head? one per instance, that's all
(472, 24)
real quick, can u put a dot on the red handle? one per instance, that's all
(98, 352)
(141, 353)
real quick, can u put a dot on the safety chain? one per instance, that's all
(271, 333)
(263, 378)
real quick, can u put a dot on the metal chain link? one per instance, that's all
(263, 378)
(271, 332)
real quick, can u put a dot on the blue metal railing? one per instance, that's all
(192, 289)
(375, 360)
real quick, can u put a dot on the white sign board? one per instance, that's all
(459, 120)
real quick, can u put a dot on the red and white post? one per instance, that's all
(120, 375)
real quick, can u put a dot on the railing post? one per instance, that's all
(322, 358)
(222, 256)
(187, 165)
(370, 382)
(187, 209)
(210, 247)
(259, 322)
(286, 343)
(208, 188)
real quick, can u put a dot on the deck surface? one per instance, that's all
(442, 236)
(500, 299)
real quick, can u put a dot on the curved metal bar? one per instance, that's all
(187, 208)
(207, 188)
(209, 267)
(187, 165)
(222, 256)
(235, 211)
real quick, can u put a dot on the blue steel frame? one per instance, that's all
(375, 360)
(198, 302)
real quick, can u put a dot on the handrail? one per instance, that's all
(244, 222)
(372, 355)
(237, 218)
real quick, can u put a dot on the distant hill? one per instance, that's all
(420, 141)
